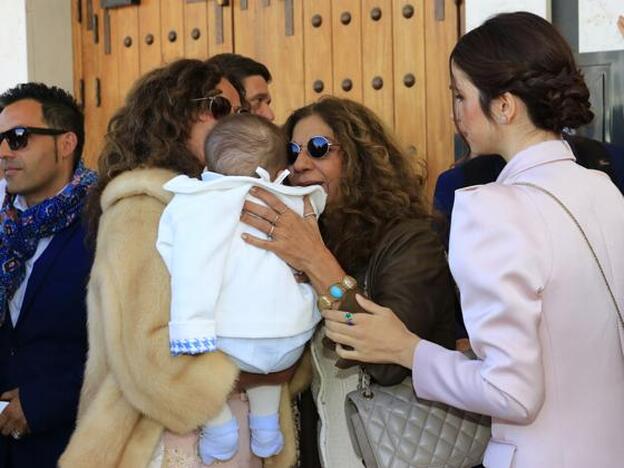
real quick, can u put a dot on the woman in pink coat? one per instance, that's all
(539, 314)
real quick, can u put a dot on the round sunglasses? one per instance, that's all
(317, 147)
(17, 137)
(219, 106)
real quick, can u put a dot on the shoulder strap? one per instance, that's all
(582, 231)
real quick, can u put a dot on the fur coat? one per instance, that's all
(133, 388)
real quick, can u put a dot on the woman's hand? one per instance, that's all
(377, 337)
(292, 237)
(295, 239)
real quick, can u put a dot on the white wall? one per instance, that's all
(13, 48)
(36, 43)
(49, 33)
(477, 11)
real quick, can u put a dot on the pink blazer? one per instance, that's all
(551, 367)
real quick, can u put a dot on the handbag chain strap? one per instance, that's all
(364, 384)
(364, 378)
(591, 248)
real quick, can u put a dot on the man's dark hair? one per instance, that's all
(59, 109)
(237, 67)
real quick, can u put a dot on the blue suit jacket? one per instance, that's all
(617, 165)
(589, 153)
(44, 355)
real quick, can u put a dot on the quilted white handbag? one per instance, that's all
(390, 427)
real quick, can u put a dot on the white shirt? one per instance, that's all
(15, 304)
(220, 285)
(3, 184)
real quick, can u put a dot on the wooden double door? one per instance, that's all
(391, 55)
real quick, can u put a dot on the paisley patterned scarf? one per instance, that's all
(20, 231)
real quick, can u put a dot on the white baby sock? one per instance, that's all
(219, 438)
(266, 437)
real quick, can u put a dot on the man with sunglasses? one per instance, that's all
(250, 78)
(44, 266)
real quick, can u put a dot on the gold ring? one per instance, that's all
(271, 231)
(277, 218)
(308, 214)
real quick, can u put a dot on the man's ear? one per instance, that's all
(67, 144)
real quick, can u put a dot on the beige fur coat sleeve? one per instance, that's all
(133, 387)
(130, 374)
(130, 293)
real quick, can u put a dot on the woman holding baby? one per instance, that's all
(139, 399)
(375, 236)
(538, 258)
(140, 405)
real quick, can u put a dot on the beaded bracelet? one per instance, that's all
(336, 292)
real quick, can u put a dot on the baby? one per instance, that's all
(226, 294)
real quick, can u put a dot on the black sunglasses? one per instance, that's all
(318, 146)
(17, 137)
(219, 106)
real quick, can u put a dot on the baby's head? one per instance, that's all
(239, 143)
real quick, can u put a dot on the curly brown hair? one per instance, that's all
(380, 185)
(153, 127)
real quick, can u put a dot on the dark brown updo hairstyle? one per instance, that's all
(525, 55)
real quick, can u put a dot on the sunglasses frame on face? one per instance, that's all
(220, 106)
(20, 141)
(295, 149)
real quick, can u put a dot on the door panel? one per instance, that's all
(128, 46)
(410, 97)
(347, 47)
(195, 29)
(318, 54)
(261, 31)
(392, 55)
(109, 72)
(220, 27)
(91, 78)
(78, 17)
(439, 14)
(149, 39)
(377, 69)
(172, 29)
